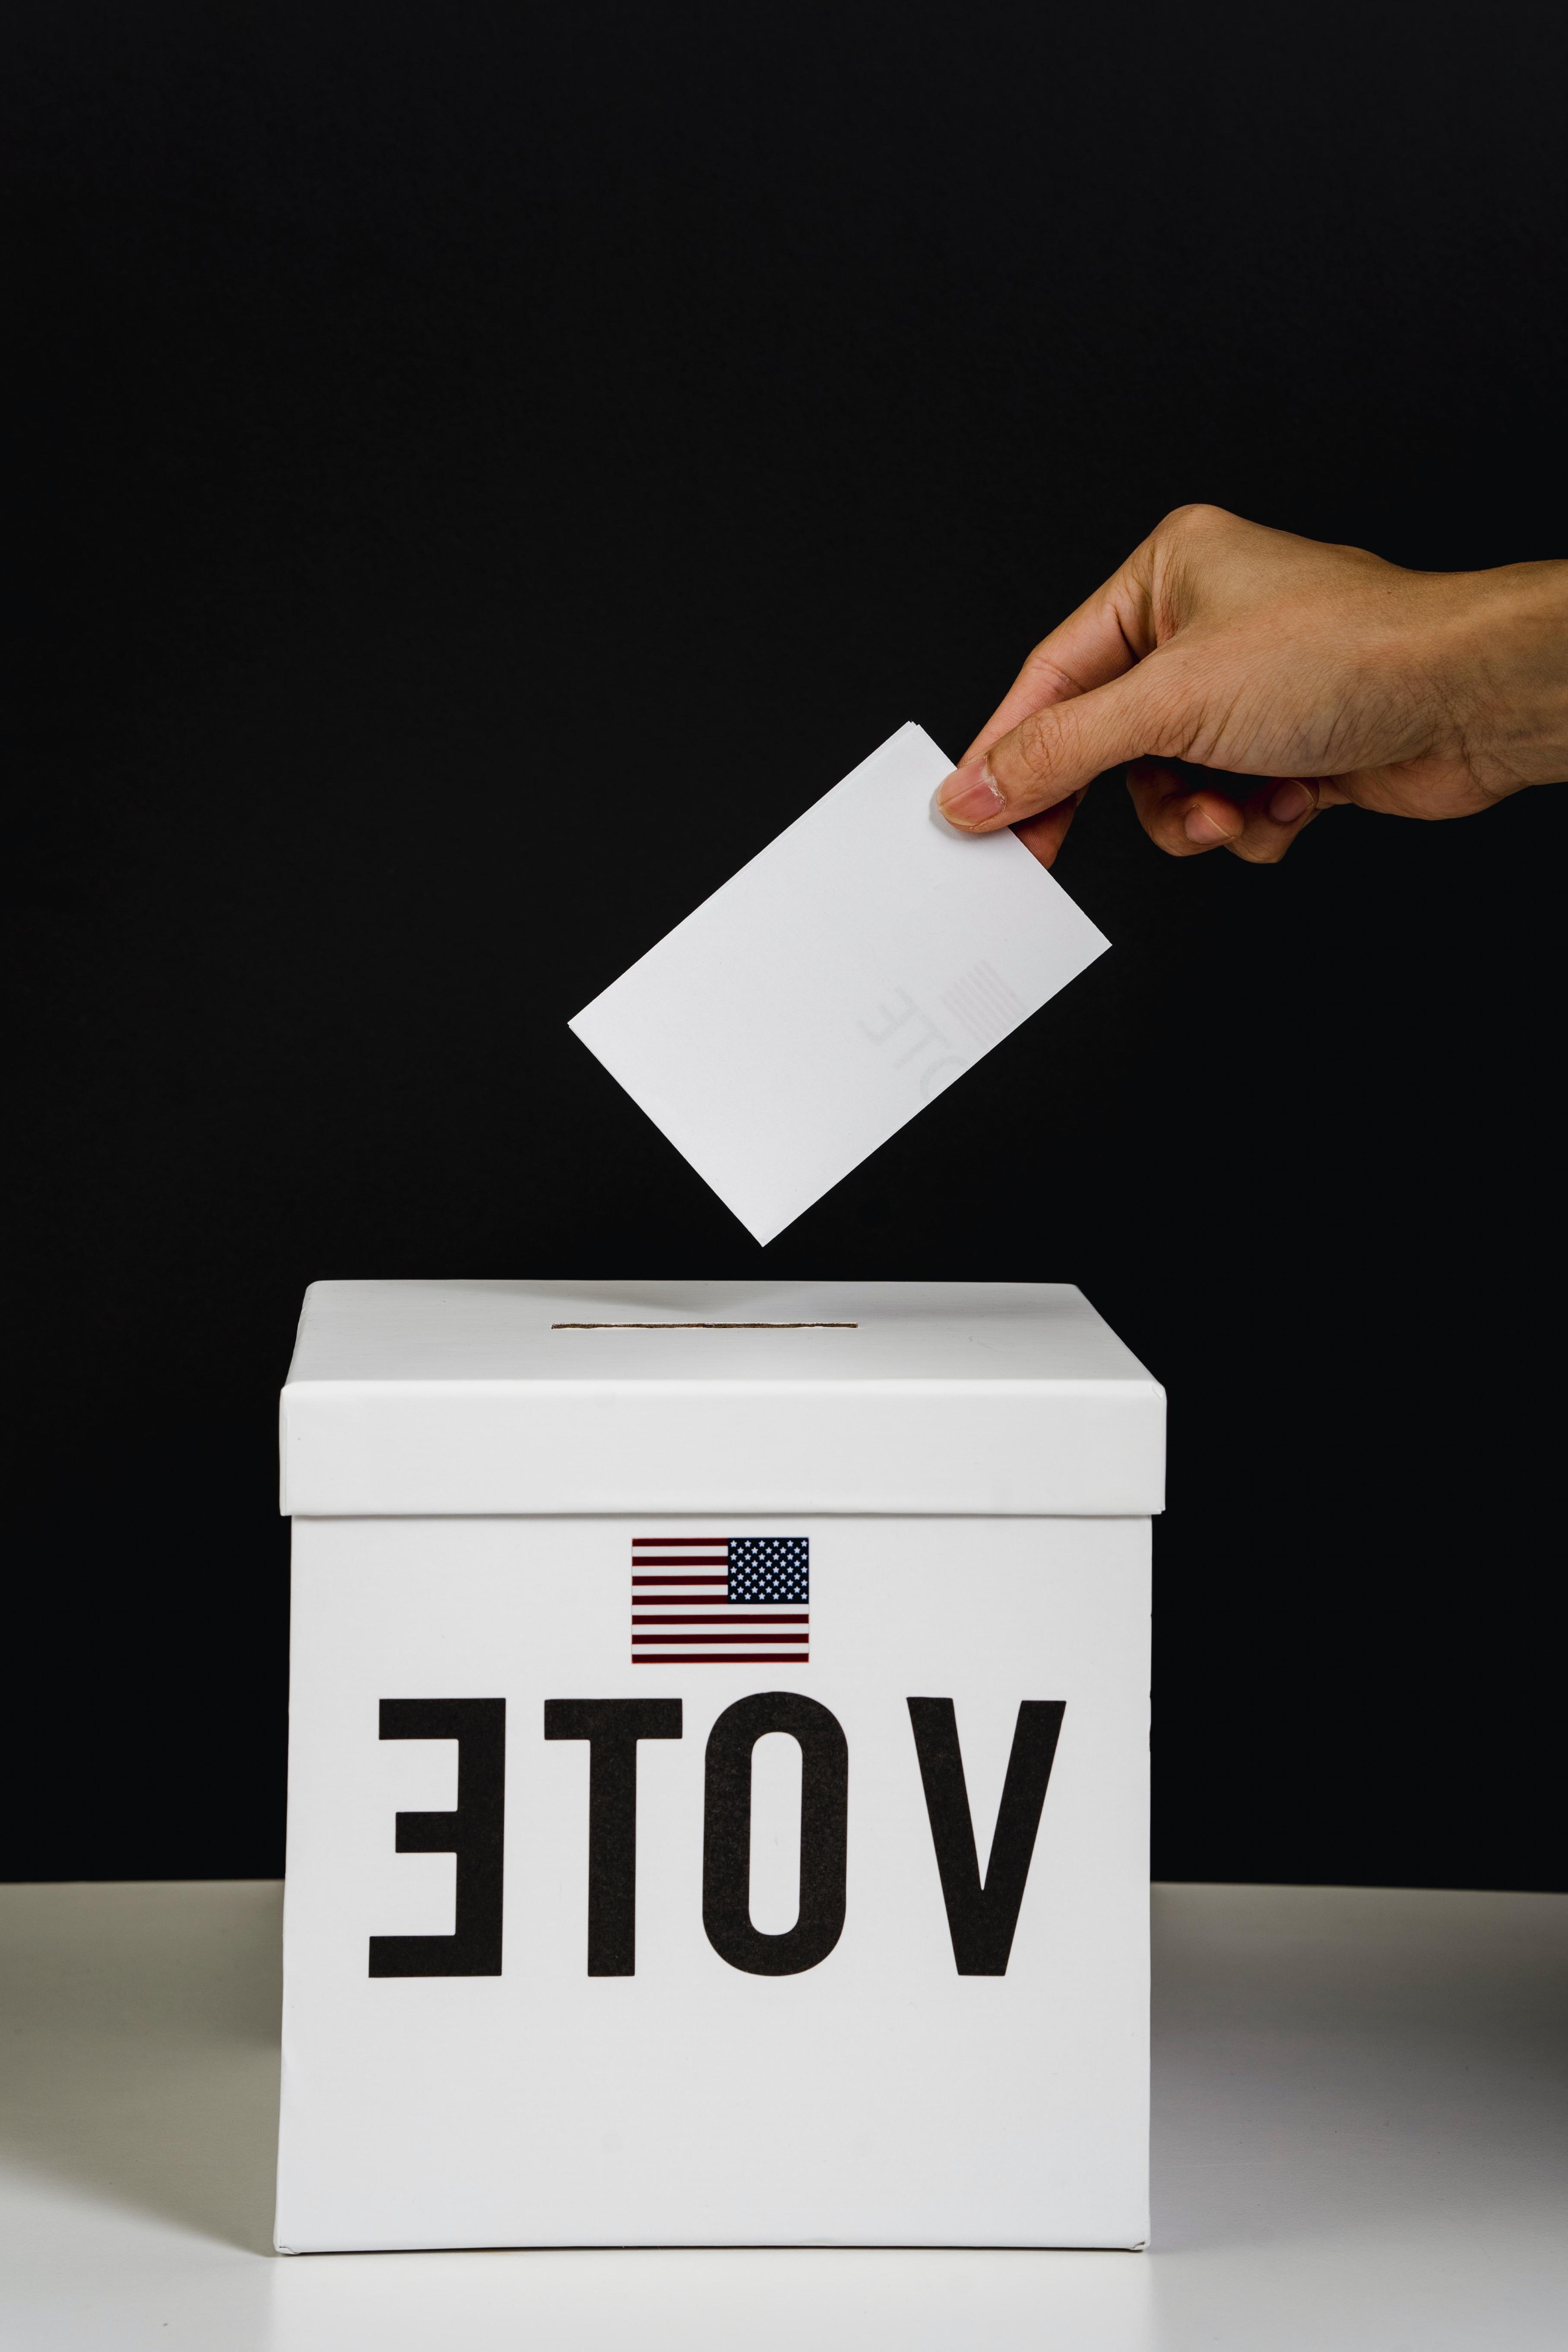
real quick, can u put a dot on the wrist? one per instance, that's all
(1502, 673)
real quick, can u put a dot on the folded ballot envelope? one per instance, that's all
(718, 1778)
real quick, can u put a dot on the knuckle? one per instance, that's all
(1161, 825)
(1043, 669)
(1188, 521)
(1039, 741)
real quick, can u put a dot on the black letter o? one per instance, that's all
(727, 1834)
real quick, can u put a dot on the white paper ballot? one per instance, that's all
(827, 991)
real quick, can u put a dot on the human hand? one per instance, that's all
(1314, 675)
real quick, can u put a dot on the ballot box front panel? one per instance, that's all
(714, 1883)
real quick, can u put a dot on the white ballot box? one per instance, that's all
(718, 1769)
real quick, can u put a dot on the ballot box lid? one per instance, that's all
(543, 1398)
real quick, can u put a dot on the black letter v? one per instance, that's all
(980, 1918)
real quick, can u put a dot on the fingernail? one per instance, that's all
(1200, 826)
(969, 795)
(1289, 801)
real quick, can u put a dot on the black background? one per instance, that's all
(484, 470)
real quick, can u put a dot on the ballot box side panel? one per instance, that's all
(876, 2096)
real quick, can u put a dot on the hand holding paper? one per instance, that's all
(1315, 676)
(834, 986)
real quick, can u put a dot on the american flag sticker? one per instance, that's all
(715, 1601)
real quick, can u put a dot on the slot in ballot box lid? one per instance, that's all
(492, 1399)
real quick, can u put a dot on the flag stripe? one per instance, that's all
(680, 1543)
(730, 1658)
(680, 1580)
(720, 1617)
(644, 1640)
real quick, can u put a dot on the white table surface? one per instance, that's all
(1361, 2145)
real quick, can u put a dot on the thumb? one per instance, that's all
(1051, 754)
